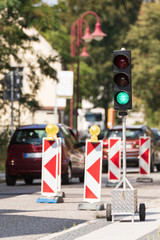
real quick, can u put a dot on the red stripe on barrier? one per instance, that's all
(142, 171)
(94, 170)
(115, 159)
(46, 188)
(112, 176)
(58, 162)
(47, 144)
(143, 140)
(113, 142)
(145, 156)
(51, 166)
(91, 146)
(89, 193)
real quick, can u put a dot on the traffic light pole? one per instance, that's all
(124, 180)
(12, 99)
(124, 149)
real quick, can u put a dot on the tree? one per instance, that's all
(144, 40)
(115, 17)
(15, 17)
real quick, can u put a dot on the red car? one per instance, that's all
(132, 145)
(24, 158)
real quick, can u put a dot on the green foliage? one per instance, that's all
(45, 67)
(15, 16)
(4, 140)
(144, 40)
(115, 17)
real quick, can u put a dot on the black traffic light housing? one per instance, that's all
(13, 82)
(122, 80)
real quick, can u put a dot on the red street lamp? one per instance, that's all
(76, 40)
(84, 52)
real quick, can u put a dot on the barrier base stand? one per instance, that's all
(111, 184)
(61, 194)
(144, 179)
(91, 206)
(55, 199)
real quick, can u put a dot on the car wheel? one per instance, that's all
(142, 212)
(109, 212)
(10, 180)
(152, 163)
(158, 167)
(105, 169)
(28, 180)
(66, 177)
(81, 179)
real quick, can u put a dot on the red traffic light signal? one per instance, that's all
(122, 80)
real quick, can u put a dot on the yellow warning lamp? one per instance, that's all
(51, 130)
(94, 131)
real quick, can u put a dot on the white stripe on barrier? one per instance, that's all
(114, 159)
(145, 146)
(116, 170)
(144, 164)
(93, 168)
(115, 148)
(59, 157)
(93, 185)
(51, 182)
(50, 152)
(93, 156)
(49, 168)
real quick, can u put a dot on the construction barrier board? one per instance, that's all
(144, 152)
(59, 166)
(49, 183)
(114, 159)
(93, 171)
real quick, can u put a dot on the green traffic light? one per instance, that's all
(122, 98)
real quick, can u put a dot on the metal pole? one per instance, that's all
(77, 107)
(124, 149)
(55, 107)
(12, 99)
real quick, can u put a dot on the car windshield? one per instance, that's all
(93, 117)
(130, 133)
(28, 136)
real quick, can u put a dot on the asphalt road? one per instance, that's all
(22, 218)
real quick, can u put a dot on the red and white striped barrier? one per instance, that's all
(144, 152)
(50, 153)
(93, 169)
(59, 166)
(114, 160)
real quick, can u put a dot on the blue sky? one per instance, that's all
(50, 2)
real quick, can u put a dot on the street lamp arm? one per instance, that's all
(97, 34)
(90, 12)
(79, 34)
(76, 40)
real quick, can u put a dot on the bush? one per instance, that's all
(4, 140)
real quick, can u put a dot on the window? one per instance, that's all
(93, 117)
(69, 137)
(130, 133)
(29, 136)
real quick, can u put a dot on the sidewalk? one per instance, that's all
(127, 230)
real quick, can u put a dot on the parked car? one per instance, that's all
(156, 132)
(132, 145)
(24, 156)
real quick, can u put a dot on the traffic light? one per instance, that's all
(13, 82)
(122, 80)
(16, 94)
